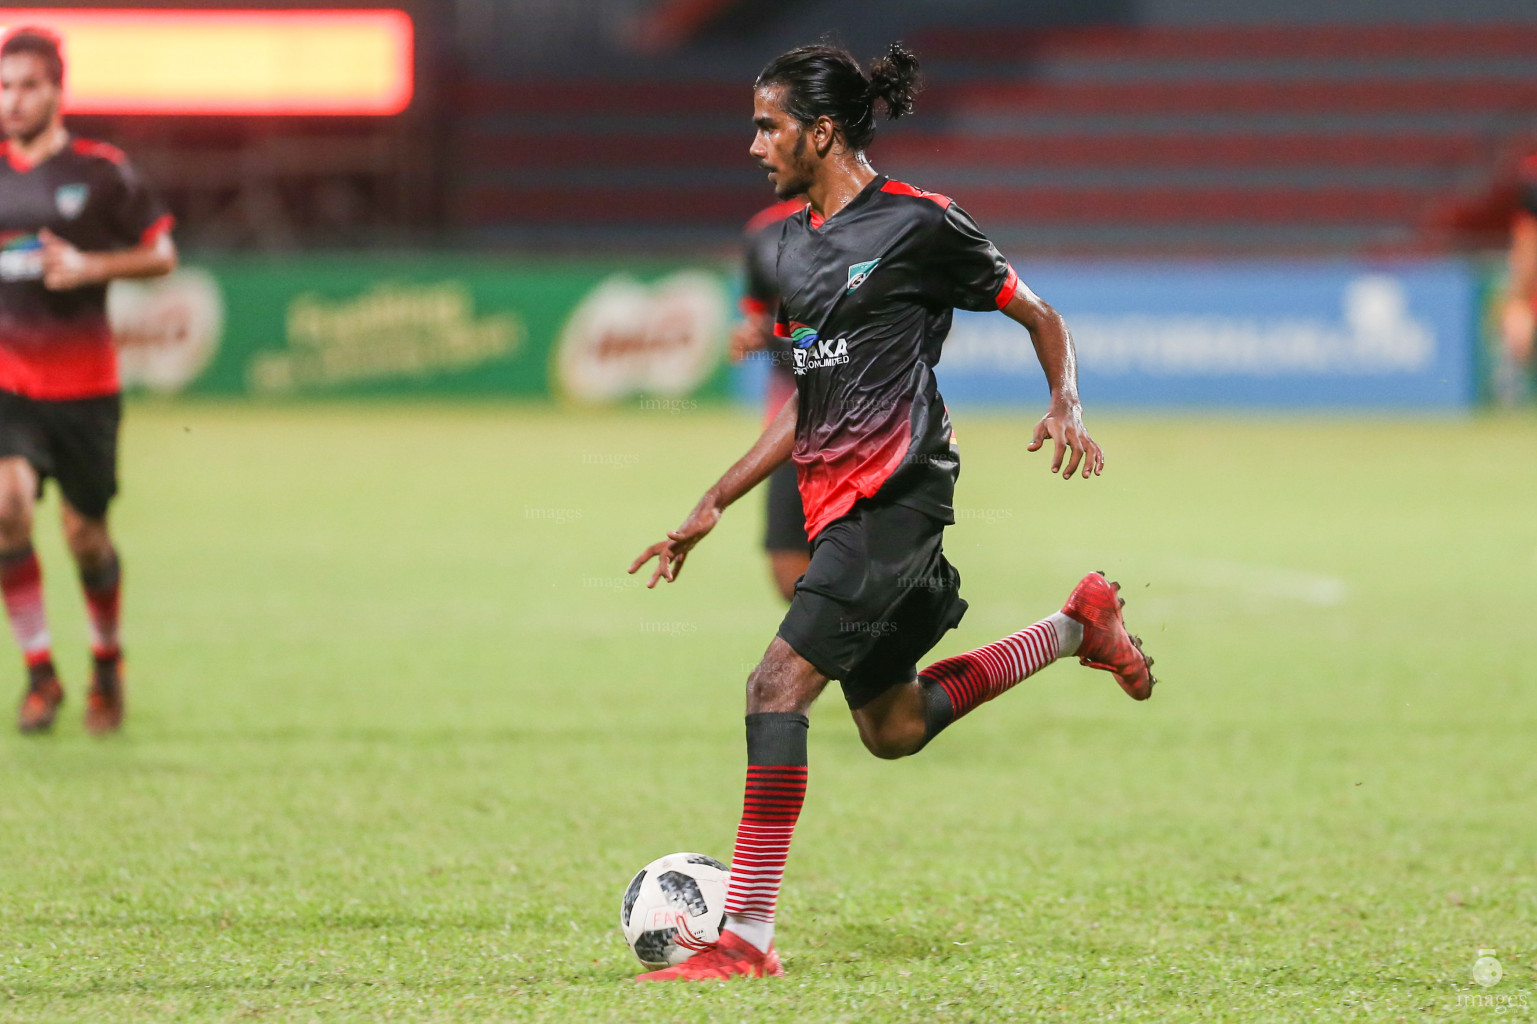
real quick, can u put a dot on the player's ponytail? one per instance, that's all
(894, 81)
(826, 81)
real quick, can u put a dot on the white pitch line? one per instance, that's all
(1257, 580)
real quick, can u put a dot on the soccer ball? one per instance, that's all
(674, 907)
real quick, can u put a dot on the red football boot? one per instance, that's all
(104, 702)
(731, 957)
(1096, 604)
(40, 703)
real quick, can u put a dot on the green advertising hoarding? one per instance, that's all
(355, 326)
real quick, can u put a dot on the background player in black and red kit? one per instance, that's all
(73, 216)
(784, 534)
(1519, 322)
(869, 275)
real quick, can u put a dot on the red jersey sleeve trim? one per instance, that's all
(752, 307)
(160, 228)
(105, 150)
(903, 189)
(1010, 286)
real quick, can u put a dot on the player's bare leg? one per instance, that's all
(903, 719)
(21, 580)
(779, 693)
(95, 555)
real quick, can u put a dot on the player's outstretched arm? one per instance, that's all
(65, 267)
(1063, 422)
(771, 449)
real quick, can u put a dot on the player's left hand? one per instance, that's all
(752, 334)
(64, 266)
(1063, 423)
(670, 553)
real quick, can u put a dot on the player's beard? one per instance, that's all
(28, 133)
(788, 187)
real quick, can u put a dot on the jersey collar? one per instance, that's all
(19, 163)
(816, 220)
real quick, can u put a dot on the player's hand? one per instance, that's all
(750, 335)
(1063, 423)
(670, 553)
(64, 266)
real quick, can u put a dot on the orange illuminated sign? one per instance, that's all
(230, 62)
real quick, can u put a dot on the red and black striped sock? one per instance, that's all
(21, 581)
(776, 788)
(956, 685)
(103, 587)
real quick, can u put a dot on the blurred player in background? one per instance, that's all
(869, 274)
(1519, 322)
(73, 216)
(789, 550)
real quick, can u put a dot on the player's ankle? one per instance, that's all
(1069, 633)
(40, 670)
(759, 933)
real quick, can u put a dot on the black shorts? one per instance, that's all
(786, 526)
(877, 597)
(74, 441)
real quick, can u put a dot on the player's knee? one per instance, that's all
(15, 517)
(88, 541)
(783, 681)
(891, 741)
(768, 690)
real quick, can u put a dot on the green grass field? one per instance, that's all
(400, 731)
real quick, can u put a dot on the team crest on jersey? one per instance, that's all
(70, 199)
(859, 273)
(801, 335)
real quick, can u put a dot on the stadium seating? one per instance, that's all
(1306, 139)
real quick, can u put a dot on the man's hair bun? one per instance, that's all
(894, 80)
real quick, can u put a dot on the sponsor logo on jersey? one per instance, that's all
(70, 199)
(21, 256)
(859, 273)
(801, 335)
(821, 354)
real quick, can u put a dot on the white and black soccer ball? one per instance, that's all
(674, 907)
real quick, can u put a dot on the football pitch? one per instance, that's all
(400, 730)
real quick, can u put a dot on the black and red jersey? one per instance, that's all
(56, 344)
(866, 299)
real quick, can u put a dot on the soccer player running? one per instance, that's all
(869, 274)
(1518, 322)
(73, 216)
(784, 536)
